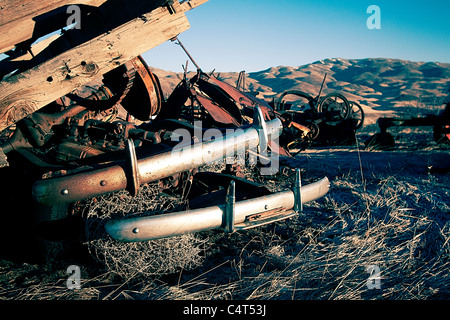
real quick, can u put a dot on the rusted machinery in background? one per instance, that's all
(82, 116)
(325, 120)
(383, 140)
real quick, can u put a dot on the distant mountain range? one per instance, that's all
(379, 85)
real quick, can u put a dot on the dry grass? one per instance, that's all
(392, 216)
(139, 259)
(325, 255)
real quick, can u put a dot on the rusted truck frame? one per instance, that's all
(60, 101)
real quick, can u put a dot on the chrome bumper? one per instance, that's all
(135, 172)
(231, 216)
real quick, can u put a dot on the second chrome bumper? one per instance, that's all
(230, 216)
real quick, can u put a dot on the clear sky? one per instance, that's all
(253, 35)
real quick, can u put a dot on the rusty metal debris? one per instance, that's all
(82, 115)
(329, 120)
(82, 149)
(101, 124)
(383, 140)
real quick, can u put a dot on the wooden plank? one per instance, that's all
(31, 90)
(189, 5)
(17, 17)
(93, 23)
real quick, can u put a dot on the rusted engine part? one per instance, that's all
(135, 88)
(214, 102)
(220, 105)
(330, 119)
(84, 129)
(80, 124)
(383, 140)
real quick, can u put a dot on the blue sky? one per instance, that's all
(253, 35)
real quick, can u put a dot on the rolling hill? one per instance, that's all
(380, 85)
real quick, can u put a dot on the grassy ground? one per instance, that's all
(382, 232)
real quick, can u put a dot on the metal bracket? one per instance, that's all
(260, 125)
(169, 6)
(229, 208)
(132, 169)
(230, 200)
(298, 204)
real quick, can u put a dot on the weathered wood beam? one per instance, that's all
(17, 17)
(191, 4)
(24, 93)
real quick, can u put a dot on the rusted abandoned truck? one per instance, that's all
(82, 115)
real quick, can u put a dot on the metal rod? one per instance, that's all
(185, 50)
(321, 87)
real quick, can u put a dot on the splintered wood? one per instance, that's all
(26, 92)
(18, 17)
